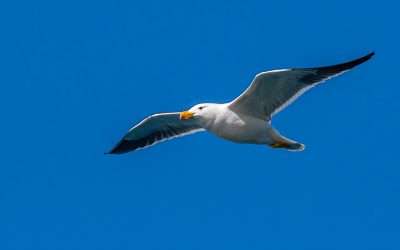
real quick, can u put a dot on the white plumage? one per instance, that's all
(247, 119)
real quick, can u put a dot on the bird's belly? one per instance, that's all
(250, 130)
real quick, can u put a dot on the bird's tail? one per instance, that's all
(280, 141)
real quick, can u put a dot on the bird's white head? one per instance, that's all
(197, 111)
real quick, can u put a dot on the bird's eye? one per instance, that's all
(201, 108)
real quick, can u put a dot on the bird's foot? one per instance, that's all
(290, 146)
(279, 144)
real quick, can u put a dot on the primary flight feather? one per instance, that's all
(244, 120)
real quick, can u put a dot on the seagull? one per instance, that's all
(246, 119)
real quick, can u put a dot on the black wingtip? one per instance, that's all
(360, 60)
(348, 65)
(356, 62)
(118, 148)
(112, 152)
(365, 58)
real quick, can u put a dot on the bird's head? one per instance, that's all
(198, 110)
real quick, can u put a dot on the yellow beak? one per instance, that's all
(186, 115)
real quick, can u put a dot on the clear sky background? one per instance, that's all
(76, 75)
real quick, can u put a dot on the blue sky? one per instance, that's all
(75, 76)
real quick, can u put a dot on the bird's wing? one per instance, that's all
(153, 129)
(272, 91)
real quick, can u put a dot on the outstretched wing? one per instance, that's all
(272, 91)
(153, 129)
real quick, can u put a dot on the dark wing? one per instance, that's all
(272, 91)
(153, 129)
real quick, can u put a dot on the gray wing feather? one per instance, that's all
(154, 129)
(272, 91)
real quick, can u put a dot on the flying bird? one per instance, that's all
(246, 119)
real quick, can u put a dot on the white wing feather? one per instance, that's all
(272, 91)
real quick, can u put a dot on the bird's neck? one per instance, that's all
(211, 115)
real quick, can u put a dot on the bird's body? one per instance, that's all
(247, 119)
(233, 126)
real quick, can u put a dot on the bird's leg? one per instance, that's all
(279, 144)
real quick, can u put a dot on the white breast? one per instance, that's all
(236, 127)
